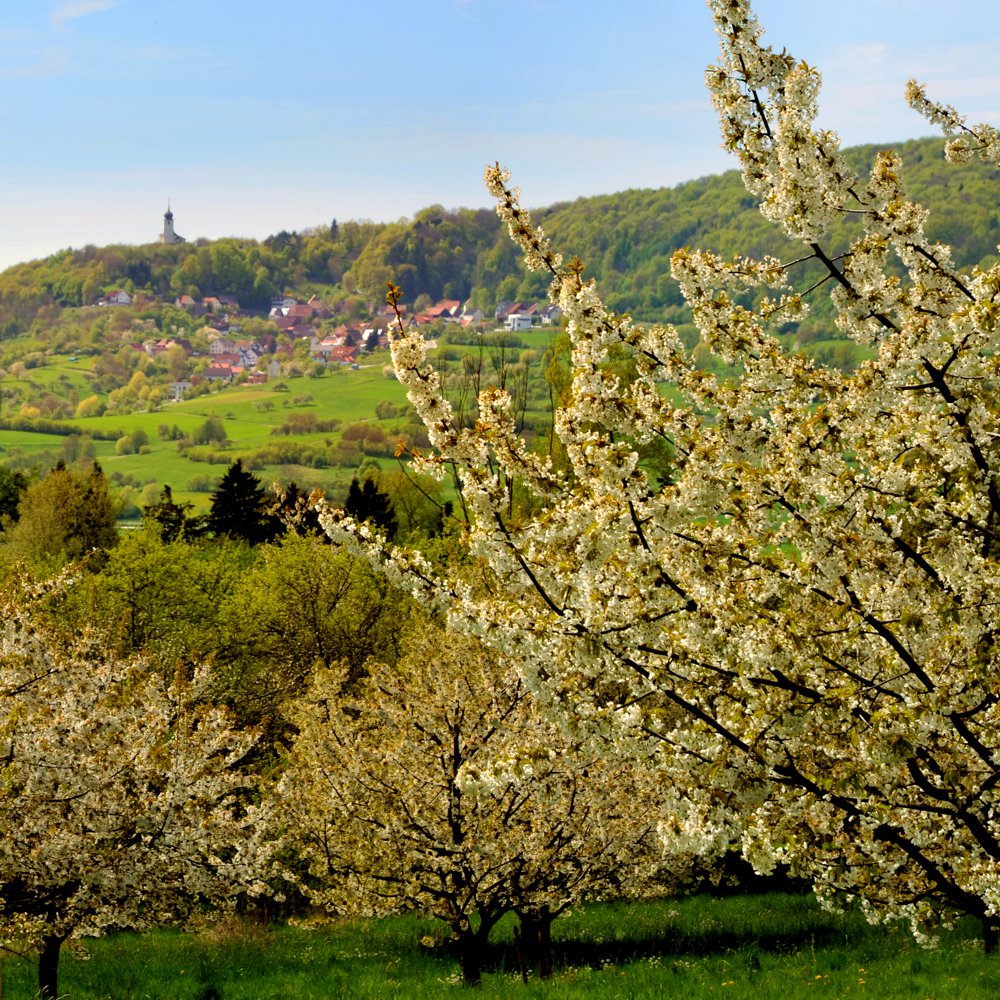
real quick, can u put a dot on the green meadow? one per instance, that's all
(250, 415)
(363, 405)
(770, 947)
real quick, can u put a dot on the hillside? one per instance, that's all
(624, 240)
(196, 332)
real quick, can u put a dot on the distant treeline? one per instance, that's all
(41, 425)
(624, 240)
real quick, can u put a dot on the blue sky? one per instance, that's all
(261, 115)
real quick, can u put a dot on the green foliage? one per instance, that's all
(38, 425)
(76, 375)
(626, 240)
(240, 508)
(64, 516)
(745, 947)
(296, 509)
(417, 501)
(266, 616)
(172, 520)
(304, 604)
(212, 431)
(386, 409)
(12, 487)
(156, 597)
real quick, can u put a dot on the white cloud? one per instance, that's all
(864, 56)
(48, 62)
(75, 9)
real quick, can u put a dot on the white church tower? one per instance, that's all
(168, 235)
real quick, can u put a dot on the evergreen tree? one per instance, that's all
(240, 508)
(12, 488)
(173, 519)
(366, 502)
(95, 519)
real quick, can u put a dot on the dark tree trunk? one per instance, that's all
(48, 967)
(991, 935)
(535, 940)
(521, 961)
(470, 958)
(472, 950)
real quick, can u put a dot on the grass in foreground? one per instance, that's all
(774, 946)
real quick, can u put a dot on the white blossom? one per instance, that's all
(804, 620)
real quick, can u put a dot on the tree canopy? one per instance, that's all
(366, 502)
(625, 238)
(800, 621)
(392, 800)
(65, 515)
(240, 507)
(121, 792)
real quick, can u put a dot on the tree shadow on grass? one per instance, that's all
(778, 923)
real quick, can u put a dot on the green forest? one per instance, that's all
(625, 241)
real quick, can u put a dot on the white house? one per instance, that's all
(221, 345)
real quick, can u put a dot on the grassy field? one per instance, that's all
(751, 947)
(249, 413)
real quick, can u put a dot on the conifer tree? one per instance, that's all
(240, 508)
(368, 504)
(12, 488)
(296, 510)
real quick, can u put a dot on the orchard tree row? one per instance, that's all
(198, 717)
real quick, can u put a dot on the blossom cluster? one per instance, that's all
(120, 805)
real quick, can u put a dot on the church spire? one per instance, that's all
(168, 235)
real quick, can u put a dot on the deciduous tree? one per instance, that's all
(436, 787)
(64, 516)
(156, 598)
(304, 605)
(120, 794)
(803, 616)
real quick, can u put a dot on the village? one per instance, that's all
(314, 323)
(222, 341)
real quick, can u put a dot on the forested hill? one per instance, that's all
(625, 240)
